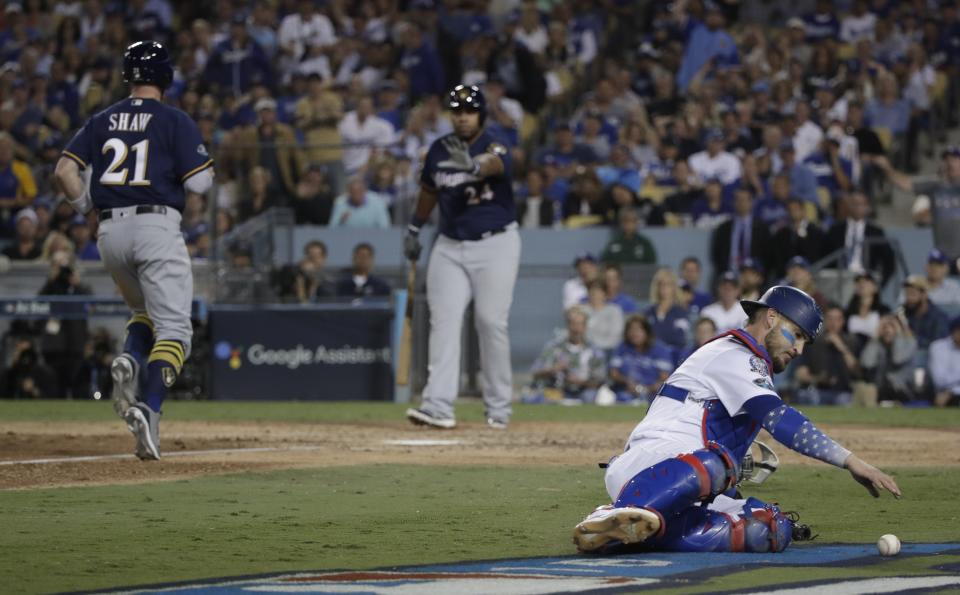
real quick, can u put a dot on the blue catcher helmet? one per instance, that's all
(147, 63)
(464, 97)
(793, 303)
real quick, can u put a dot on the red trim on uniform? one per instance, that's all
(663, 522)
(737, 533)
(701, 472)
(748, 343)
(703, 427)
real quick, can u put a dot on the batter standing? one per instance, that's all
(141, 155)
(476, 257)
(674, 486)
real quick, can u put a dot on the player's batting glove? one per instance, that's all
(459, 156)
(411, 243)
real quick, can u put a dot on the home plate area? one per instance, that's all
(615, 574)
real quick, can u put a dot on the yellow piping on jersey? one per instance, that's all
(79, 161)
(196, 170)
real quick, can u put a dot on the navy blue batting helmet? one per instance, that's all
(793, 303)
(468, 97)
(147, 63)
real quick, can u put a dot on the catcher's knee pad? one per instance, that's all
(676, 484)
(766, 529)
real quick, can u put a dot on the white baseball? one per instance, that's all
(889, 545)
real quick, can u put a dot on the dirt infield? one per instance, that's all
(201, 448)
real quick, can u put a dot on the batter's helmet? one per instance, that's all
(792, 303)
(147, 63)
(464, 97)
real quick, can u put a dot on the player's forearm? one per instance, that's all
(426, 200)
(488, 165)
(792, 429)
(67, 174)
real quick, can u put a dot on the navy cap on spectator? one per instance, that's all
(44, 202)
(729, 277)
(685, 286)
(798, 261)
(751, 263)
(938, 257)
(786, 146)
(951, 151)
(78, 220)
(714, 134)
(588, 256)
(761, 86)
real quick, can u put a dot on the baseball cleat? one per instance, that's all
(422, 418)
(123, 370)
(497, 424)
(144, 423)
(608, 525)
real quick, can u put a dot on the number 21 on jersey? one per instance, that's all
(114, 176)
(474, 196)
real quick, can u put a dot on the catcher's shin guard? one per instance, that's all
(676, 484)
(762, 528)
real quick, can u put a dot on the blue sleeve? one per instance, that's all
(792, 429)
(190, 155)
(79, 148)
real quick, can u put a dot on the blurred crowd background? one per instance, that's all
(783, 127)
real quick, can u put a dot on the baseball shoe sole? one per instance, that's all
(610, 525)
(144, 423)
(497, 424)
(422, 418)
(123, 371)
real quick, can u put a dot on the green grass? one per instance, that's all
(470, 411)
(385, 515)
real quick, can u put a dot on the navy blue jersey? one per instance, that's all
(141, 152)
(470, 206)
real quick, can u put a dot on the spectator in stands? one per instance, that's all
(640, 363)
(591, 134)
(927, 321)
(359, 281)
(799, 237)
(710, 211)
(704, 329)
(666, 315)
(751, 279)
(834, 173)
(566, 153)
(888, 110)
(741, 238)
(568, 367)
(17, 186)
(863, 243)
(629, 246)
(258, 197)
(584, 205)
(43, 207)
(304, 28)
(575, 288)
(771, 208)
(822, 23)
(313, 199)
(800, 276)
(716, 161)
(708, 44)
(888, 361)
(803, 182)
(942, 290)
(363, 132)
(726, 312)
(605, 325)
(534, 209)
(312, 281)
(504, 114)
(359, 207)
(28, 377)
(859, 24)
(613, 283)
(865, 308)
(317, 116)
(82, 237)
(944, 366)
(682, 197)
(238, 62)
(421, 62)
(690, 272)
(272, 145)
(620, 169)
(25, 245)
(826, 370)
(63, 341)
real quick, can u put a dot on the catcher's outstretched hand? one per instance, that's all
(871, 478)
(459, 155)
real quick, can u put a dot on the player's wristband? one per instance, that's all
(415, 225)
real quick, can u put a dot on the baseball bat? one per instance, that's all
(406, 335)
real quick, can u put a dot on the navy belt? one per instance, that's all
(141, 210)
(673, 392)
(493, 232)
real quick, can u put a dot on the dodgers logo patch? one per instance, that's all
(758, 365)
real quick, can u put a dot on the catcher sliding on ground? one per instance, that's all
(142, 154)
(673, 487)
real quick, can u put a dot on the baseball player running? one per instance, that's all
(673, 487)
(141, 156)
(476, 256)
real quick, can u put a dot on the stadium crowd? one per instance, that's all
(778, 125)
